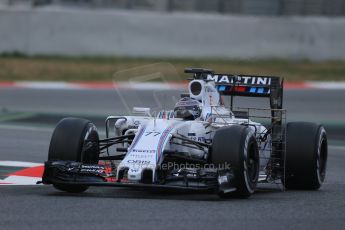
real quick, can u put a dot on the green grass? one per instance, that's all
(56, 68)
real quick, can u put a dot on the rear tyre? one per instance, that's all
(306, 156)
(74, 139)
(236, 145)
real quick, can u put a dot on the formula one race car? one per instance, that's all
(200, 145)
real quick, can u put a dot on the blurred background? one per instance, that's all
(90, 40)
(246, 7)
(102, 41)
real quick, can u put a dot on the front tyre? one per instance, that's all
(306, 156)
(74, 139)
(236, 145)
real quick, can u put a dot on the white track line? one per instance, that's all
(337, 147)
(20, 180)
(150, 86)
(45, 85)
(26, 128)
(101, 130)
(19, 164)
(326, 85)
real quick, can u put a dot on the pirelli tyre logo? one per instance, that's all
(239, 79)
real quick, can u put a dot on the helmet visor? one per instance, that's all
(187, 112)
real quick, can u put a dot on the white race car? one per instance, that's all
(199, 145)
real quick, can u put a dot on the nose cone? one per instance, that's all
(146, 151)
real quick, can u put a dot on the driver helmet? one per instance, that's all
(187, 109)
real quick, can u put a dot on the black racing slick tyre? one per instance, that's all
(74, 139)
(306, 156)
(236, 146)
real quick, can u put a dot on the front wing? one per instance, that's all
(75, 173)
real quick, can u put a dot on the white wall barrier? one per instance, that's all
(150, 34)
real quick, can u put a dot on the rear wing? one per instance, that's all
(251, 86)
(244, 85)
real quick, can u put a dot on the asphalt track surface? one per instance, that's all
(308, 104)
(42, 207)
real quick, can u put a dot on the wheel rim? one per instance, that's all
(251, 167)
(322, 160)
(90, 146)
(252, 164)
